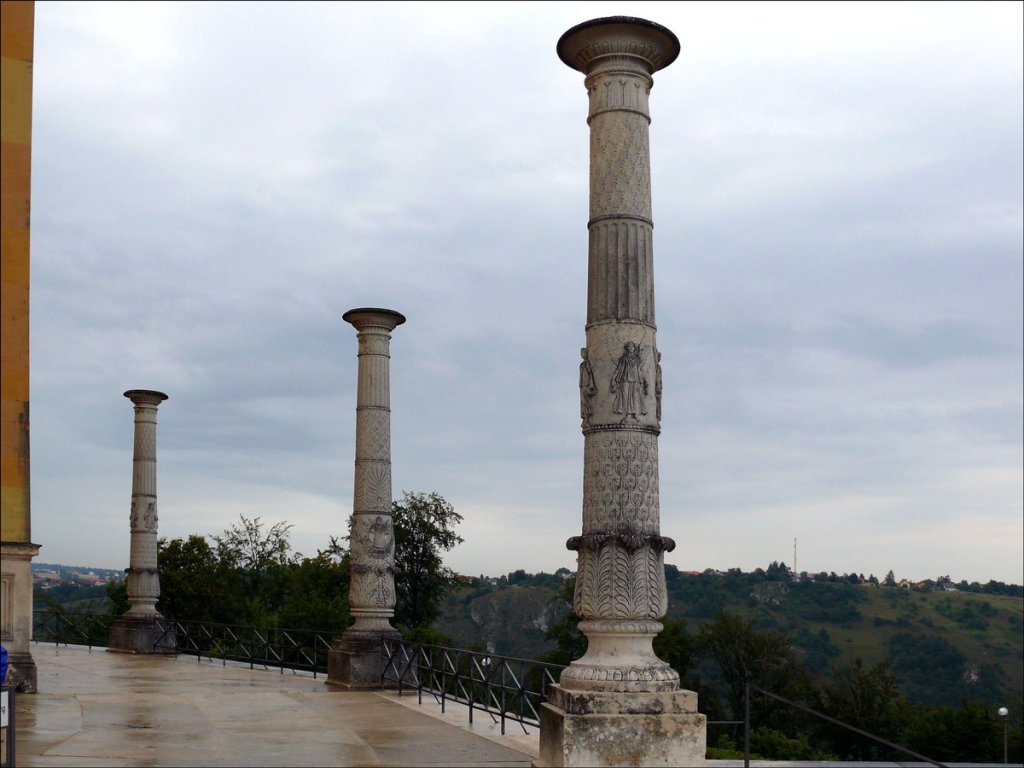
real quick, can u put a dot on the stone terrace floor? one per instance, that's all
(109, 709)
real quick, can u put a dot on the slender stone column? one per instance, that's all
(140, 630)
(355, 660)
(620, 704)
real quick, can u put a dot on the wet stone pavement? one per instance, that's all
(109, 709)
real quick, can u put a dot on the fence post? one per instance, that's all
(504, 666)
(471, 687)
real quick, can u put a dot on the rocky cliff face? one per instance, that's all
(507, 620)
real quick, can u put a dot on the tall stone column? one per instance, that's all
(355, 660)
(141, 629)
(620, 704)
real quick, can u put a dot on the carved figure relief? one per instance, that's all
(378, 540)
(657, 387)
(629, 384)
(588, 388)
(149, 520)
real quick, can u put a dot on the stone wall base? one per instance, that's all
(354, 662)
(596, 728)
(16, 611)
(142, 634)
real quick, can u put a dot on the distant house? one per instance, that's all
(905, 584)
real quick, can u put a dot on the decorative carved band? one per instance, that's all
(628, 216)
(631, 541)
(615, 581)
(379, 570)
(621, 627)
(141, 570)
(587, 673)
(648, 428)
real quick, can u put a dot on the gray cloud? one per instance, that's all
(838, 244)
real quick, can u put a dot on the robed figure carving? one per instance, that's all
(588, 387)
(629, 384)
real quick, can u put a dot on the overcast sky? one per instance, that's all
(837, 196)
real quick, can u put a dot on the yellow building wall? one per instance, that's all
(17, 23)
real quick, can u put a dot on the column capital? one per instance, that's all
(365, 318)
(145, 396)
(614, 40)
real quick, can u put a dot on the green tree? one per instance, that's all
(424, 529)
(261, 559)
(316, 593)
(676, 646)
(930, 668)
(197, 584)
(117, 593)
(867, 698)
(570, 643)
(763, 657)
(967, 733)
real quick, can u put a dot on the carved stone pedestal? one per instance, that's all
(355, 663)
(142, 634)
(596, 728)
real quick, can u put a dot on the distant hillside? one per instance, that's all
(60, 568)
(945, 644)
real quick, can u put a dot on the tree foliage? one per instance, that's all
(251, 576)
(424, 529)
(867, 698)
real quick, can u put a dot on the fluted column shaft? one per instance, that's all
(372, 586)
(620, 583)
(143, 576)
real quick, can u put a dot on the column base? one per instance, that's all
(354, 662)
(142, 634)
(22, 674)
(594, 728)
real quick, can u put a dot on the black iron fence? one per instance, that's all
(292, 649)
(64, 628)
(504, 688)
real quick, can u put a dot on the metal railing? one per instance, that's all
(505, 688)
(69, 628)
(294, 649)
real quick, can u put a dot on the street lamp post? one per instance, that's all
(1004, 715)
